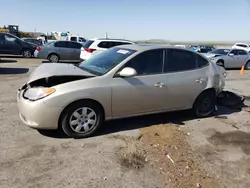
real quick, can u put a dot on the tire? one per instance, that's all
(205, 104)
(53, 58)
(76, 126)
(247, 66)
(27, 53)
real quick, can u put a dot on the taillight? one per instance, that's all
(90, 50)
(38, 48)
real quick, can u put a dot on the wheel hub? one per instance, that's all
(83, 120)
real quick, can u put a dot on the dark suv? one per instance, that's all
(10, 44)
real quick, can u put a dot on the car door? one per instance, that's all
(12, 45)
(61, 48)
(76, 50)
(186, 74)
(2, 41)
(143, 93)
(231, 58)
(243, 57)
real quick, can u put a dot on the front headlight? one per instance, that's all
(38, 93)
(212, 59)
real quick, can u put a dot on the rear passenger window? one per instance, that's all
(73, 38)
(121, 43)
(201, 61)
(179, 60)
(61, 44)
(112, 44)
(242, 52)
(74, 45)
(104, 45)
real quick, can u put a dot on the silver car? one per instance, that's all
(59, 51)
(230, 58)
(124, 81)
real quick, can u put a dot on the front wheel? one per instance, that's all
(247, 66)
(205, 104)
(53, 58)
(82, 119)
(220, 63)
(27, 53)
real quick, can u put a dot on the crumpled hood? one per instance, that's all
(56, 69)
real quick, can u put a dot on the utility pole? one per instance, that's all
(106, 35)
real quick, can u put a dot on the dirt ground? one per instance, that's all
(164, 150)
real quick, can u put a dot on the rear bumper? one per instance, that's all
(39, 55)
(85, 55)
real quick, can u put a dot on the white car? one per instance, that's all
(241, 46)
(98, 45)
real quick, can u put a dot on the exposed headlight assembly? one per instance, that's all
(34, 94)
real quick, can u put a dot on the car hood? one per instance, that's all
(47, 70)
(210, 55)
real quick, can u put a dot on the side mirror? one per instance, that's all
(231, 54)
(127, 72)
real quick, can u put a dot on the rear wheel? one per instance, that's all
(53, 58)
(27, 53)
(247, 66)
(82, 119)
(205, 104)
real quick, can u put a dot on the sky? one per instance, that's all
(175, 20)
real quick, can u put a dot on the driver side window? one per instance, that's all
(147, 63)
(234, 52)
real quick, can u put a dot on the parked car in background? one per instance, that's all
(98, 45)
(56, 51)
(10, 44)
(201, 48)
(241, 46)
(205, 48)
(123, 81)
(180, 45)
(76, 39)
(217, 52)
(33, 41)
(233, 58)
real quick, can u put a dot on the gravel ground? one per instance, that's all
(127, 153)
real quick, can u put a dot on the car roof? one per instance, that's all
(66, 41)
(144, 47)
(110, 39)
(241, 43)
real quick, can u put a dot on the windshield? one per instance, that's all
(220, 51)
(103, 62)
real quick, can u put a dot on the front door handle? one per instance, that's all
(159, 84)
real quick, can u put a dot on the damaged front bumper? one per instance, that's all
(36, 114)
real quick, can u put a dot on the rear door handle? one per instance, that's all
(159, 84)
